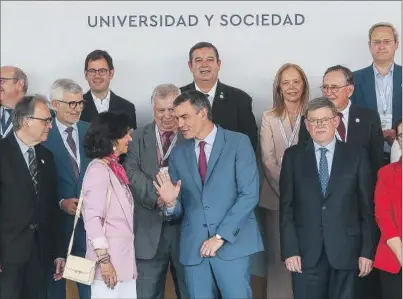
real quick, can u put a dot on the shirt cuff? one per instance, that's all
(100, 243)
(60, 203)
(169, 210)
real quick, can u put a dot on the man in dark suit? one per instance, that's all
(326, 210)
(13, 87)
(359, 126)
(157, 239)
(66, 142)
(379, 86)
(28, 206)
(231, 107)
(99, 72)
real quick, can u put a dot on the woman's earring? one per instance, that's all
(114, 148)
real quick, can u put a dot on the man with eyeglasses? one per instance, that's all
(30, 242)
(379, 86)
(326, 209)
(99, 71)
(13, 87)
(359, 126)
(66, 142)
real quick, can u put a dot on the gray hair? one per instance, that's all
(26, 108)
(197, 99)
(162, 91)
(20, 75)
(348, 74)
(61, 86)
(383, 24)
(320, 102)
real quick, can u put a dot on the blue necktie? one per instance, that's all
(323, 170)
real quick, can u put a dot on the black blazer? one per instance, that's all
(232, 110)
(364, 130)
(24, 213)
(342, 221)
(116, 104)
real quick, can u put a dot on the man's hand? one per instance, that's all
(389, 136)
(60, 263)
(293, 264)
(365, 266)
(160, 203)
(167, 191)
(210, 247)
(70, 205)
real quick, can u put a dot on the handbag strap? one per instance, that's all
(78, 211)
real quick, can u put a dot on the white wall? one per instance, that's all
(50, 40)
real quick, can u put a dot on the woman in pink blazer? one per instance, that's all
(109, 224)
(279, 130)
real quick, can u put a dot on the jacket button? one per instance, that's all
(206, 207)
(324, 208)
(204, 225)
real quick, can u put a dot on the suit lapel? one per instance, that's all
(337, 167)
(218, 146)
(113, 103)
(311, 169)
(90, 105)
(397, 94)
(220, 98)
(370, 92)
(150, 143)
(192, 162)
(353, 129)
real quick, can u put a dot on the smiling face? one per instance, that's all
(122, 144)
(191, 123)
(98, 75)
(204, 65)
(164, 113)
(64, 113)
(291, 85)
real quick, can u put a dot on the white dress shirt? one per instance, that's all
(211, 93)
(62, 129)
(344, 119)
(329, 154)
(102, 105)
(396, 152)
(208, 146)
(24, 149)
(5, 131)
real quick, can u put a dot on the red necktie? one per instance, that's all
(202, 161)
(167, 141)
(341, 128)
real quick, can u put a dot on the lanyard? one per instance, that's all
(159, 143)
(288, 142)
(384, 94)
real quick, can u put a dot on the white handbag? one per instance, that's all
(80, 269)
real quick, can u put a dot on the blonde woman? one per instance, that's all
(279, 130)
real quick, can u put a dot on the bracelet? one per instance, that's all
(104, 259)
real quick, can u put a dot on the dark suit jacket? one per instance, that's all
(24, 213)
(141, 165)
(365, 93)
(366, 133)
(68, 186)
(232, 110)
(117, 104)
(342, 221)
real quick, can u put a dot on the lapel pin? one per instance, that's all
(42, 161)
(221, 95)
(357, 120)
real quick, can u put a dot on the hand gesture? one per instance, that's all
(167, 191)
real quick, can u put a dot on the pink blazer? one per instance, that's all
(118, 238)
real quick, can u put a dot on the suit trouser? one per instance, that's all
(152, 273)
(324, 282)
(24, 281)
(391, 285)
(214, 276)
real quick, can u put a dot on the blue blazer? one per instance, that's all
(365, 93)
(225, 204)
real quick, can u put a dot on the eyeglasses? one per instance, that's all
(332, 88)
(46, 121)
(321, 121)
(101, 72)
(386, 42)
(4, 79)
(73, 104)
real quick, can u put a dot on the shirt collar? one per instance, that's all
(346, 110)
(377, 73)
(162, 132)
(330, 147)
(24, 147)
(209, 138)
(62, 128)
(107, 97)
(211, 92)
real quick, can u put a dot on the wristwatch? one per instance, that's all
(218, 236)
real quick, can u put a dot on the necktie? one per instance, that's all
(166, 137)
(323, 170)
(341, 128)
(33, 168)
(4, 123)
(73, 147)
(202, 161)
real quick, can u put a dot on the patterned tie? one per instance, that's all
(33, 168)
(73, 147)
(166, 137)
(341, 128)
(202, 161)
(323, 170)
(4, 123)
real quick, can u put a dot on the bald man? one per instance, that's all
(13, 87)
